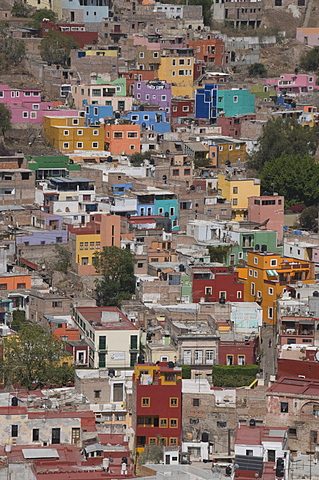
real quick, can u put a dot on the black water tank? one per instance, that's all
(280, 468)
(205, 437)
(252, 423)
(124, 460)
(111, 373)
(14, 402)
(170, 364)
(222, 300)
(315, 293)
(181, 268)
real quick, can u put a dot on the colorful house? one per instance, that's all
(75, 31)
(206, 102)
(67, 134)
(15, 281)
(155, 201)
(103, 231)
(154, 93)
(216, 283)
(267, 277)
(300, 83)
(177, 67)
(51, 166)
(223, 150)
(210, 50)
(156, 120)
(308, 36)
(237, 192)
(102, 94)
(236, 101)
(122, 138)
(27, 106)
(269, 210)
(155, 422)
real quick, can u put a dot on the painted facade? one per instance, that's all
(236, 191)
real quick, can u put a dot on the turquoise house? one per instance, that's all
(236, 101)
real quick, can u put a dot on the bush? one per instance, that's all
(234, 375)
(310, 61)
(186, 372)
(257, 70)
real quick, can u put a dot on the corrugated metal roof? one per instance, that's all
(40, 453)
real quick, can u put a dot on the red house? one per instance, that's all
(182, 107)
(231, 126)
(74, 30)
(157, 413)
(238, 352)
(211, 50)
(216, 284)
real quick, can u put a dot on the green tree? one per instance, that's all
(294, 176)
(309, 218)
(310, 61)
(56, 48)
(5, 117)
(283, 137)
(234, 375)
(21, 10)
(39, 15)
(219, 253)
(12, 51)
(18, 319)
(64, 263)
(32, 357)
(257, 70)
(137, 158)
(117, 268)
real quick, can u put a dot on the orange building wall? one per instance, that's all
(12, 282)
(122, 145)
(64, 331)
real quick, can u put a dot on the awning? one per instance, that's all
(271, 273)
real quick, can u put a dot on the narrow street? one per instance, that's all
(268, 349)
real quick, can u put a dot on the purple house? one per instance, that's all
(27, 106)
(291, 83)
(43, 237)
(155, 93)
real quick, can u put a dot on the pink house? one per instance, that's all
(291, 83)
(27, 106)
(271, 208)
(308, 36)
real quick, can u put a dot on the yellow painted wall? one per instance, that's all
(237, 192)
(170, 68)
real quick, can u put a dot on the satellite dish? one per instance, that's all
(317, 356)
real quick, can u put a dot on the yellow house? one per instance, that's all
(237, 192)
(178, 70)
(68, 134)
(266, 278)
(55, 5)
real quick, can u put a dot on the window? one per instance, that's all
(198, 357)
(270, 312)
(75, 121)
(292, 432)
(35, 435)
(131, 134)
(255, 274)
(155, 54)
(250, 272)
(196, 402)
(238, 294)
(118, 135)
(141, 55)
(252, 288)
(180, 72)
(173, 423)
(173, 402)
(209, 357)
(172, 211)
(249, 453)
(25, 114)
(85, 261)
(221, 424)
(102, 342)
(273, 263)
(284, 407)
(316, 410)
(175, 172)
(163, 423)
(55, 436)
(56, 304)
(36, 106)
(235, 99)
(118, 392)
(235, 201)
(256, 260)
(65, 145)
(65, 132)
(14, 431)
(145, 402)
(185, 108)
(140, 265)
(235, 190)
(134, 342)
(21, 285)
(173, 62)
(173, 441)
(79, 145)
(152, 441)
(97, 393)
(241, 360)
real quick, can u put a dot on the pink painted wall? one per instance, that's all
(275, 213)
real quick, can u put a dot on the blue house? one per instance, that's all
(156, 120)
(93, 113)
(119, 188)
(206, 102)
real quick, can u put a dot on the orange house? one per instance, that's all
(122, 139)
(209, 50)
(63, 330)
(14, 281)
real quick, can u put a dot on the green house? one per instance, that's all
(260, 240)
(235, 102)
(52, 166)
